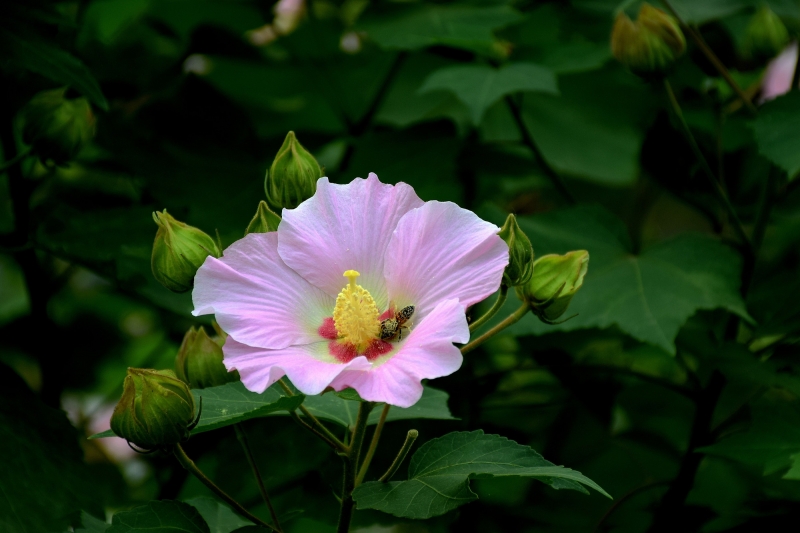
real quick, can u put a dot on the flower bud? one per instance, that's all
(651, 44)
(178, 251)
(265, 220)
(520, 253)
(57, 128)
(765, 36)
(199, 361)
(156, 409)
(293, 176)
(556, 279)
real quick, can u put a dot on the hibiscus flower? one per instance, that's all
(364, 285)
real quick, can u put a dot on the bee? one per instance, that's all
(392, 328)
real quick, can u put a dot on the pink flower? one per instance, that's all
(317, 299)
(778, 74)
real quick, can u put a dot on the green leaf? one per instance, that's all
(432, 405)
(32, 52)
(231, 403)
(459, 26)
(649, 296)
(219, 517)
(439, 473)
(159, 517)
(480, 86)
(44, 481)
(776, 132)
(595, 129)
(90, 524)
(350, 394)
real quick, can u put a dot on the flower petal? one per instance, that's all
(427, 353)
(257, 299)
(306, 365)
(345, 227)
(441, 251)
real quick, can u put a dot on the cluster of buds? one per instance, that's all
(178, 251)
(156, 410)
(57, 127)
(649, 45)
(555, 281)
(199, 361)
(765, 36)
(293, 176)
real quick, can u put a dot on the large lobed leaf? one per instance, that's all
(777, 134)
(159, 517)
(439, 473)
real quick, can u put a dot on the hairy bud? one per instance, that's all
(199, 361)
(178, 251)
(649, 45)
(57, 128)
(293, 176)
(556, 279)
(765, 36)
(264, 220)
(520, 253)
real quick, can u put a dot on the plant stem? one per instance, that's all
(498, 304)
(316, 427)
(509, 320)
(14, 160)
(796, 74)
(373, 445)
(628, 496)
(715, 184)
(528, 141)
(350, 460)
(189, 465)
(401, 455)
(240, 434)
(712, 57)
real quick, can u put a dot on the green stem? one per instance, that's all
(14, 160)
(350, 459)
(712, 57)
(316, 427)
(240, 434)
(509, 320)
(401, 455)
(373, 445)
(715, 184)
(189, 465)
(498, 304)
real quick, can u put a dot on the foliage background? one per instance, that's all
(674, 348)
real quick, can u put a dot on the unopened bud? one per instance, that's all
(520, 253)
(293, 176)
(156, 409)
(264, 221)
(651, 44)
(56, 127)
(199, 361)
(765, 36)
(556, 279)
(178, 251)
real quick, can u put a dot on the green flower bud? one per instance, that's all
(293, 176)
(520, 253)
(651, 44)
(156, 409)
(199, 361)
(265, 220)
(556, 279)
(765, 36)
(57, 128)
(178, 251)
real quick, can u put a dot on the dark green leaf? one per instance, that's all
(90, 524)
(439, 473)
(350, 394)
(776, 132)
(219, 517)
(479, 86)
(159, 517)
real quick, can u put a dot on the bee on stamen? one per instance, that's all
(392, 328)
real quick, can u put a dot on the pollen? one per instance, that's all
(356, 316)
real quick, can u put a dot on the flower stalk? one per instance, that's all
(401, 455)
(498, 304)
(511, 319)
(373, 445)
(315, 426)
(350, 459)
(240, 434)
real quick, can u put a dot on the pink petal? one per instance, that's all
(441, 251)
(427, 353)
(308, 366)
(345, 227)
(778, 74)
(257, 299)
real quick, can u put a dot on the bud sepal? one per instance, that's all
(264, 221)
(555, 281)
(178, 251)
(520, 253)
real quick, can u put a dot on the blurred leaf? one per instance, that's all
(439, 473)
(44, 481)
(649, 296)
(90, 524)
(219, 517)
(776, 132)
(595, 129)
(159, 517)
(459, 26)
(707, 10)
(14, 300)
(432, 405)
(30, 51)
(479, 86)
(185, 16)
